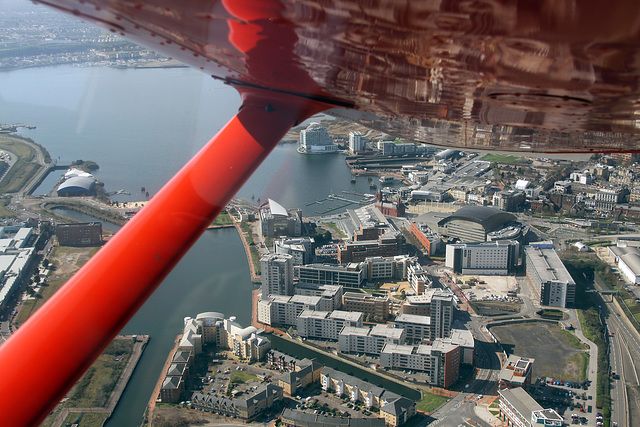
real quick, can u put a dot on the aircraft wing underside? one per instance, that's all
(551, 76)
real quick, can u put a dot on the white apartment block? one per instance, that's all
(326, 325)
(300, 248)
(369, 341)
(416, 327)
(332, 294)
(418, 278)
(277, 274)
(440, 361)
(499, 258)
(380, 268)
(441, 314)
(284, 310)
(356, 142)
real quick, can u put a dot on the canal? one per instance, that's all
(300, 352)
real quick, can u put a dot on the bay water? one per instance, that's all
(141, 126)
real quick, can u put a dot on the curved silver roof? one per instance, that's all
(77, 183)
(489, 217)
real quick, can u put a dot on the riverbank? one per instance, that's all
(71, 415)
(155, 396)
(255, 278)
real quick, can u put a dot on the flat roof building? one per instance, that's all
(351, 275)
(80, 234)
(551, 281)
(368, 341)
(440, 360)
(516, 373)
(518, 408)
(484, 258)
(326, 325)
(371, 306)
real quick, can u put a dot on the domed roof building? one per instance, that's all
(473, 223)
(77, 186)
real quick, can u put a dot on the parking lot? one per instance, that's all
(568, 398)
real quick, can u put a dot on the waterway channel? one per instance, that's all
(141, 126)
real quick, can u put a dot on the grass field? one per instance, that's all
(94, 388)
(85, 419)
(557, 353)
(17, 147)
(430, 402)
(18, 176)
(4, 212)
(66, 260)
(334, 229)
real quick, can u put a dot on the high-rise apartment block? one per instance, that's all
(277, 274)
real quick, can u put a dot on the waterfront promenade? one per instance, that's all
(255, 278)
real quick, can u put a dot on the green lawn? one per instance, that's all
(85, 419)
(17, 147)
(430, 402)
(335, 230)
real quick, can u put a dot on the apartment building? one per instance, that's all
(326, 325)
(371, 306)
(276, 274)
(439, 360)
(331, 294)
(352, 275)
(284, 310)
(369, 341)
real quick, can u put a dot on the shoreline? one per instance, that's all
(138, 348)
(155, 395)
(252, 271)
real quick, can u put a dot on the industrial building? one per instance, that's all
(627, 258)
(549, 277)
